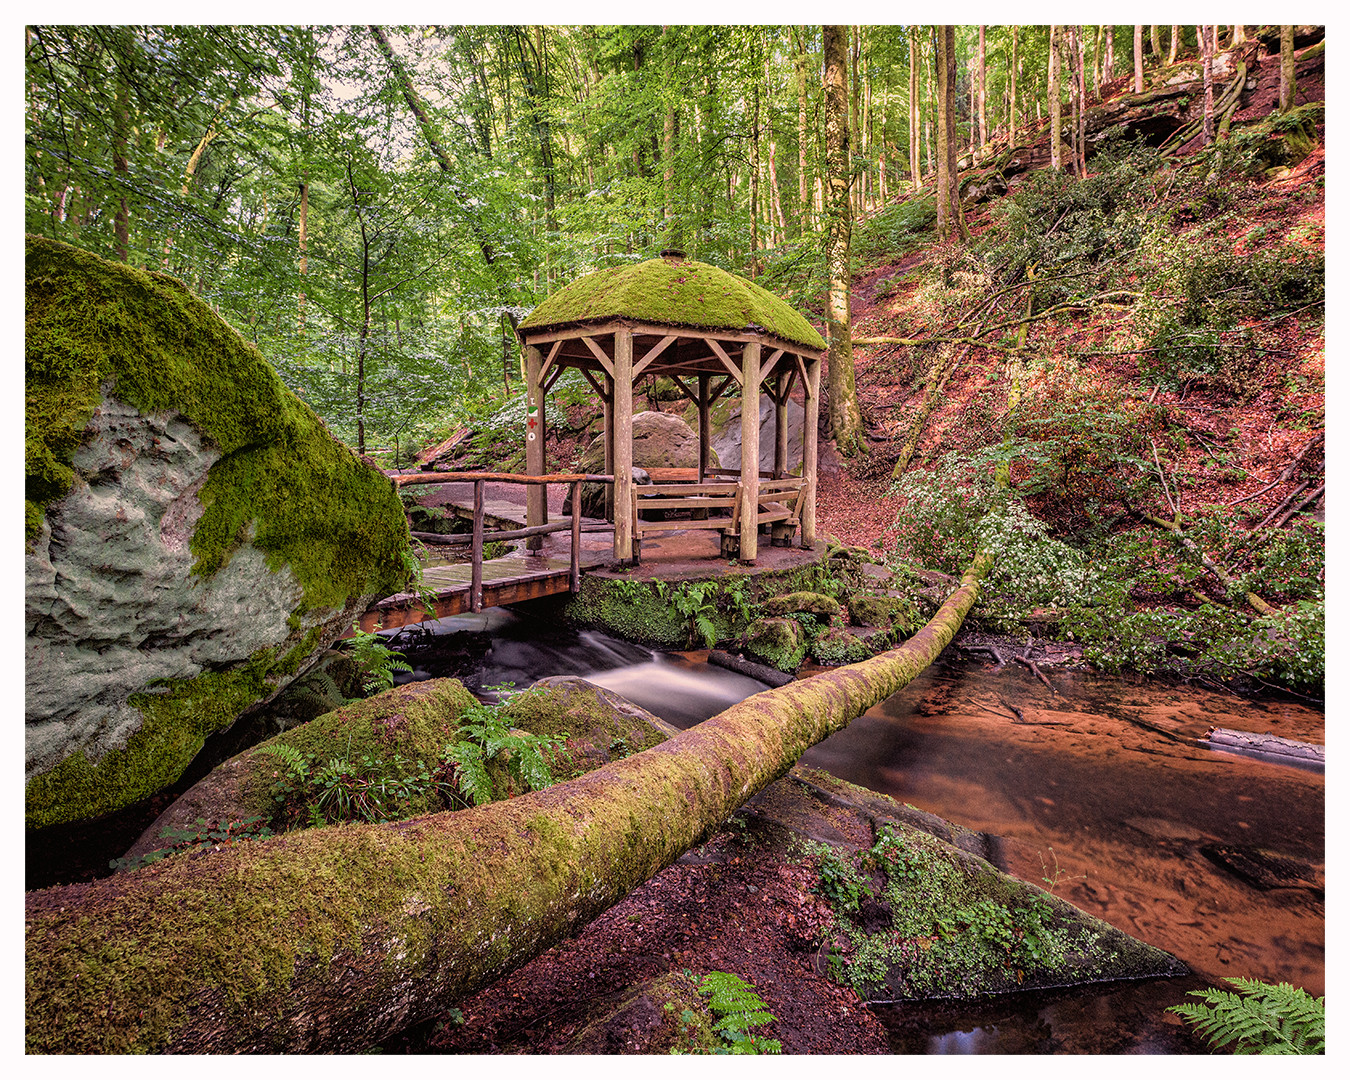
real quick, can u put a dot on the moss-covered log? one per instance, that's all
(328, 940)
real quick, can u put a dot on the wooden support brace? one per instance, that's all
(652, 353)
(726, 360)
(605, 361)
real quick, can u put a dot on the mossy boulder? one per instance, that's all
(887, 612)
(841, 645)
(780, 643)
(821, 606)
(194, 534)
(924, 912)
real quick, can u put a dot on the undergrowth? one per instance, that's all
(1261, 1018)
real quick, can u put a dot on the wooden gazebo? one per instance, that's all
(705, 329)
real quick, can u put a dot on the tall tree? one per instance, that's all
(982, 93)
(1052, 96)
(951, 224)
(1286, 68)
(1012, 90)
(1207, 54)
(1138, 59)
(915, 165)
(844, 413)
(1174, 45)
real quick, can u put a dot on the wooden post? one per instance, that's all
(704, 426)
(536, 495)
(809, 449)
(623, 445)
(476, 580)
(576, 536)
(779, 427)
(749, 452)
(609, 446)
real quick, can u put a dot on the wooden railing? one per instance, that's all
(480, 480)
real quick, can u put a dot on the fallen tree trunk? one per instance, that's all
(332, 939)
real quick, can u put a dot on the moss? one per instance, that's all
(283, 480)
(836, 645)
(597, 733)
(806, 603)
(675, 293)
(779, 643)
(664, 1015)
(890, 612)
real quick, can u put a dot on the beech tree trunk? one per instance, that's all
(1138, 59)
(950, 224)
(982, 94)
(1207, 52)
(1052, 97)
(915, 165)
(1286, 68)
(845, 416)
(329, 940)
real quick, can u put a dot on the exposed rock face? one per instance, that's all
(726, 433)
(195, 536)
(660, 441)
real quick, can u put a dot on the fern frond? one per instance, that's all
(296, 762)
(1262, 1018)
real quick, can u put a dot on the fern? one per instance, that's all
(1262, 1018)
(738, 1009)
(296, 763)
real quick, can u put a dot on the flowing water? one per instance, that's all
(1096, 788)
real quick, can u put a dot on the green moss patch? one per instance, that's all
(806, 603)
(674, 293)
(780, 643)
(283, 483)
(889, 612)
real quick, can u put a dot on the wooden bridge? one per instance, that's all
(478, 583)
(471, 586)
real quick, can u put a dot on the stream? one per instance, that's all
(1095, 786)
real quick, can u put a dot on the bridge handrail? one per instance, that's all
(404, 479)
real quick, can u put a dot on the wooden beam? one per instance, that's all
(720, 389)
(653, 353)
(411, 479)
(548, 360)
(749, 453)
(596, 384)
(683, 387)
(704, 403)
(736, 373)
(767, 369)
(607, 396)
(603, 329)
(623, 446)
(476, 582)
(810, 436)
(605, 361)
(801, 369)
(536, 497)
(779, 427)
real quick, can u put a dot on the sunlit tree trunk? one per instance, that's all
(1052, 98)
(1109, 55)
(121, 124)
(1155, 42)
(1012, 90)
(1287, 85)
(982, 94)
(915, 165)
(803, 173)
(845, 416)
(950, 223)
(1174, 45)
(1207, 53)
(1138, 59)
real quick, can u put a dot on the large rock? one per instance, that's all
(194, 534)
(660, 441)
(726, 432)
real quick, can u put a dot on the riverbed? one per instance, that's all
(1095, 786)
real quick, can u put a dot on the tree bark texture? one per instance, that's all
(950, 224)
(1052, 94)
(915, 165)
(982, 93)
(1286, 68)
(330, 940)
(1207, 53)
(1138, 58)
(845, 416)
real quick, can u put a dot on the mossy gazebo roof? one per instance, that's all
(683, 319)
(675, 292)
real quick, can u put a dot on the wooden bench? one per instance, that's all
(779, 509)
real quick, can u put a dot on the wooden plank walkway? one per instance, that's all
(507, 580)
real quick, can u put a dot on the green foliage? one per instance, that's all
(739, 1010)
(696, 602)
(206, 834)
(378, 662)
(485, 740)
(308, 791)
(895, 229)
(1198, 300)
(838, 880)
(1261, 1018)
(1056, 225)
